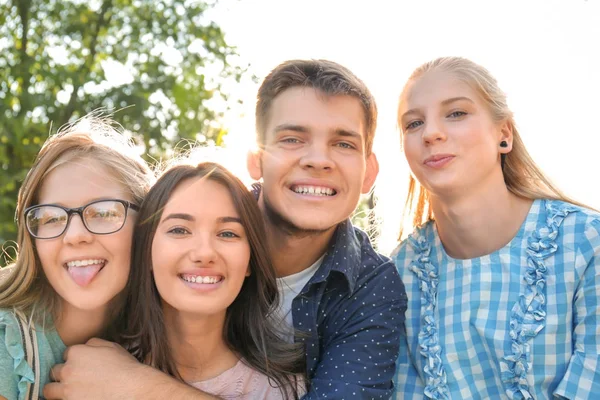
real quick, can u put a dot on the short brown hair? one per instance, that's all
(330, 78)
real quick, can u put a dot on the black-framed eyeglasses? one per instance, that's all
(101, 217)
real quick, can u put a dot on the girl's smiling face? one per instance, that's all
(200, 252)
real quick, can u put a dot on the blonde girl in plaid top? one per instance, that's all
(502, 270)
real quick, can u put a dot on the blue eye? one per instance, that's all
(457, 114)
(228, 234)
(413, 125)
(178, 231)
(346, 145)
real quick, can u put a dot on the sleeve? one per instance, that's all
(408, 383)
(359, 361)
(15, 373)
(582, 378)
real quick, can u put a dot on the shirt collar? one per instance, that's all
(342, 255)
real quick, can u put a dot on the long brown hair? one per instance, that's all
(248, 329)
(92, 137)
(522, 175)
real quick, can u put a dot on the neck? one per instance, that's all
(479, 222)
(76, 326)
(197, 344)
(294, 253)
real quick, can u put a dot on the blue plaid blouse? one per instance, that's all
(520, 323)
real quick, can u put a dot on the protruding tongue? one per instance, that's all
(84, 275)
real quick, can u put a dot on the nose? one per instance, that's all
(203, 251)
(432, 133)
(76, 232)
(317, 157)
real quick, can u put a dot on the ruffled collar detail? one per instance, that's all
(528, 315)
(436, 386)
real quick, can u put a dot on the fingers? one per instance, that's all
(53, 391)
(56, 372)
(95, 342)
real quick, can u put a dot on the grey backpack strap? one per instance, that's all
(30, 347)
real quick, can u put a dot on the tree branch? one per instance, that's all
(23, 7)
(103, 21)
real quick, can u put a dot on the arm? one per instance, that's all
(359, 360)
(104, 370)
(582, 378)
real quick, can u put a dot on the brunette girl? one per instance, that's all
(206, 289)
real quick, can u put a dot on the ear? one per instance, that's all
(248, 271)
(254, 164)
(506, 134)
(370, 173)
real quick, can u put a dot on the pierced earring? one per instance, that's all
(503, 144)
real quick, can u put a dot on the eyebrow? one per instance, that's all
(444, 103)
(304, 129)
(183, 216)
(348, 133)
(230, 219)
(291, 127)
(188, 217)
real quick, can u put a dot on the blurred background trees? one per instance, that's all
(164, 60)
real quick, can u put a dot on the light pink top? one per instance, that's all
(243, 382)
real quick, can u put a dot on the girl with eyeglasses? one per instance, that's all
(502, 269)
(76, 211)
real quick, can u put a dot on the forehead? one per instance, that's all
(200, 196)
(434, 87)
(79, 181)
(315, 110)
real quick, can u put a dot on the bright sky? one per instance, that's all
(545, 54)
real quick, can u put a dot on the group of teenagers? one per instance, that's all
(187, 284)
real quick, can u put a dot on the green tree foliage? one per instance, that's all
(56, 58)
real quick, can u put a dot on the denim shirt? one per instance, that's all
(350, 316)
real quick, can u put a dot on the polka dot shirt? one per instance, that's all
(350, 316)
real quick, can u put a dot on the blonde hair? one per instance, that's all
(521, 174)
(92, 137)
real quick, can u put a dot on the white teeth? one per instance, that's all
(201, 279)
(313, 190)
(85, 263)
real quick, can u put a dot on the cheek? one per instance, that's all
(240, 261)
(121, 244)
(412, 151)
(47, 251)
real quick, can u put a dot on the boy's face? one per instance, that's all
(313, 163)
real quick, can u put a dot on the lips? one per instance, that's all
(438, 160)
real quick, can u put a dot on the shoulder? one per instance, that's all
(419, 241)
(580, 225)
(372, 263)
(12, 355)
(11, 339)
(7, 317)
